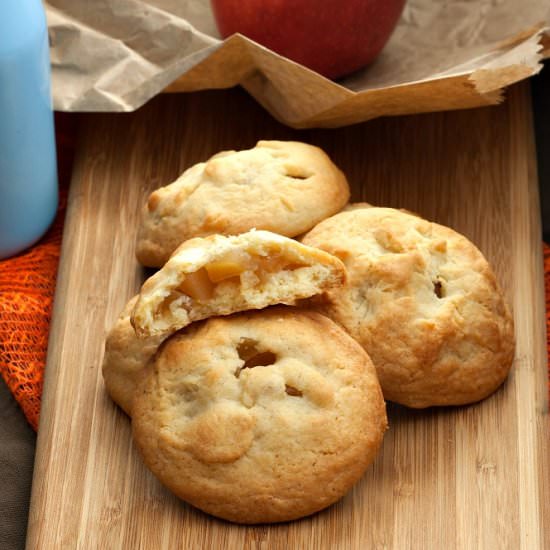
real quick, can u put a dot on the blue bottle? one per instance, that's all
(28, 167)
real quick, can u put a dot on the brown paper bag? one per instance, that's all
(114, 55)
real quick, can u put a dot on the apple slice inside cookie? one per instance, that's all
(220, 275)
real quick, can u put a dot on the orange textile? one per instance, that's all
(27, 286)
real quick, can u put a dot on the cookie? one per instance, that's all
(423, 302)
(281, 186)
(124, 358)
(263, 416)
(220, 275)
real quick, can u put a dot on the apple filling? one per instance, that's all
(197, 285)
(252, 357)
(200, 286)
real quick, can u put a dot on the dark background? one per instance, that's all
(541, 107)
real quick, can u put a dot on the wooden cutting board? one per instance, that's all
(467, 477)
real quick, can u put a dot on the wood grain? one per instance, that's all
(467, 477)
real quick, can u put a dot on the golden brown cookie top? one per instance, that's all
(219, 275)
(261, 416)
(281, 186)
(423, 302)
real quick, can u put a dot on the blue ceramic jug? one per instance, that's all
(28, 168)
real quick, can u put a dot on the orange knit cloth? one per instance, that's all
(27, 285)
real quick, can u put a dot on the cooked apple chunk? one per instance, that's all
(218, 275)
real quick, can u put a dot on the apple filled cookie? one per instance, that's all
(282, 186)
(220, 275)
(263, 416)
(423, 302)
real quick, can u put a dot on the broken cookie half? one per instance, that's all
(220, 275)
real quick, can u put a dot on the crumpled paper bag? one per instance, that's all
(115, 55)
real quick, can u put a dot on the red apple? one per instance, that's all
(332, 37)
